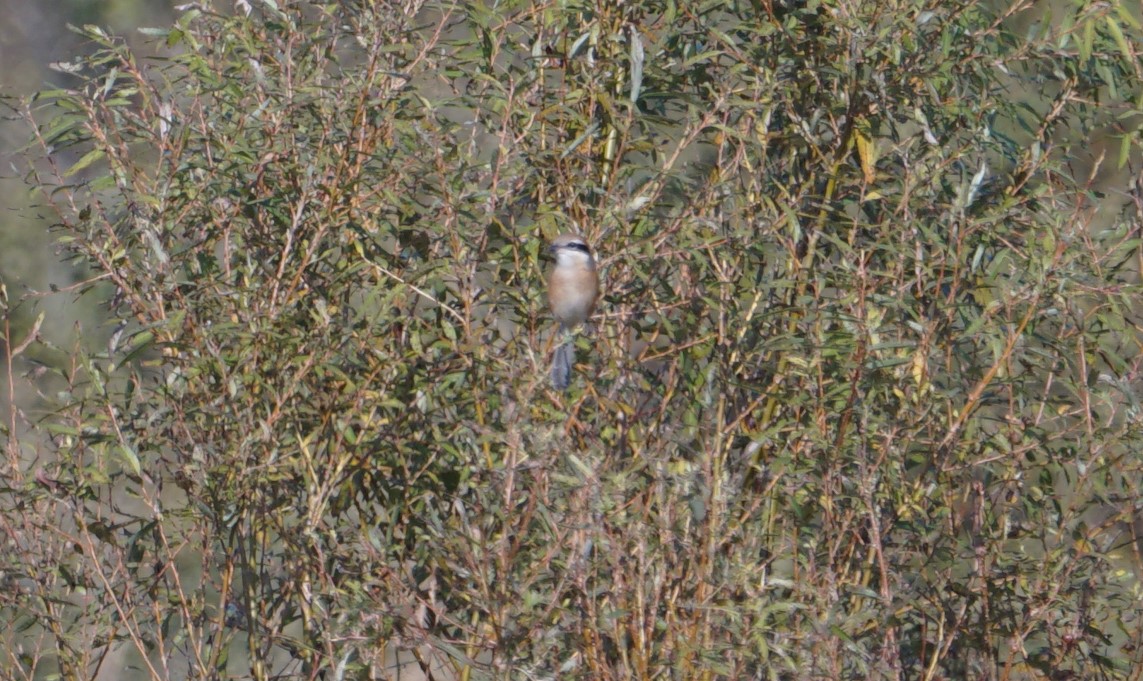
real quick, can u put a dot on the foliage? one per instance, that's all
(859, 400)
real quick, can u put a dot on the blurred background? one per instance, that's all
(33, 36)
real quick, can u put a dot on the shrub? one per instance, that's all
(858, 402)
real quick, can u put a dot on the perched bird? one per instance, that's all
(573, 287)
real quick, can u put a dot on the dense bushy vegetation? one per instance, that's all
(859, 400)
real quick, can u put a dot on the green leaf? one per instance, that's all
(130, 459)
(1120, 40)
(87, 159)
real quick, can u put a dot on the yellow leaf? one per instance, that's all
(919, 369)
(865, 150)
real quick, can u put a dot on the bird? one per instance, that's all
(573, 287)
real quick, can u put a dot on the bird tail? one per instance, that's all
(562, 363)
